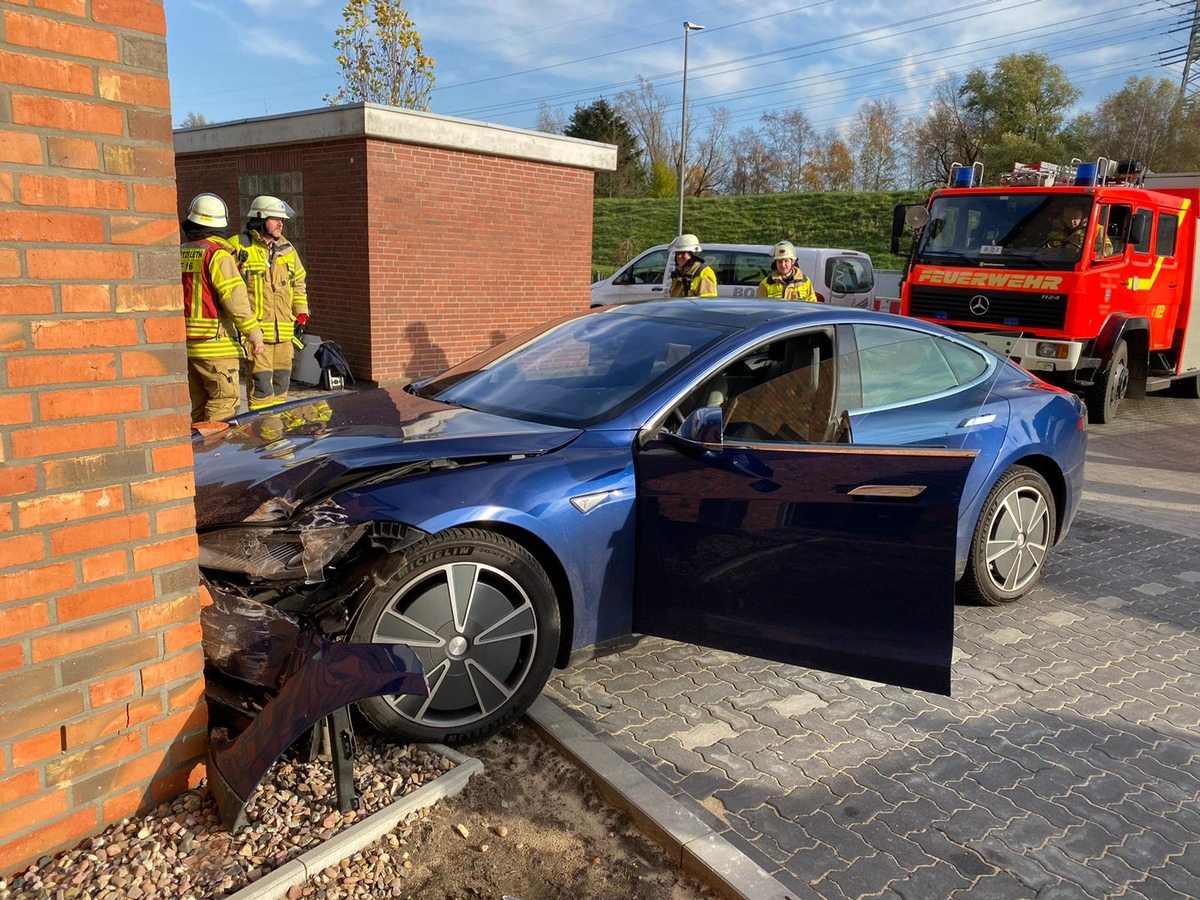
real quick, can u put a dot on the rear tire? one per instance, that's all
(480, 613)
(1012, 539)
(1106, 394)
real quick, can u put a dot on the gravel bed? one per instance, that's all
(180, 849)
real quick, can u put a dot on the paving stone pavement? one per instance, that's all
(1065, 764)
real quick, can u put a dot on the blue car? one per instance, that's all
(799, 482)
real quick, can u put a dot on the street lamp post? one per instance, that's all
(688, 27)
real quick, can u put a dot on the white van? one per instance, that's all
(840, 277)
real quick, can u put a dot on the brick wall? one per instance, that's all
(467, 250)
(101, 690)
(418, 256)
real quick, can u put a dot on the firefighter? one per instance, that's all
(786, 281)
(276, 280)
(217, 311)
(691, 276)
(1071, 227)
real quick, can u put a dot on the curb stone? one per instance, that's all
(696, 848)
(275, 885)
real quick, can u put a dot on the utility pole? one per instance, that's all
(1189, 86)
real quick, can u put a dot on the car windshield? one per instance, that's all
(575, 373)
(1009, 230)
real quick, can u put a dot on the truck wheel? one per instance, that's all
(1107, 393)
(480, 613)
(1012, 539)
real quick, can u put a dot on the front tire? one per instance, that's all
(1106, 394)
(480, 613)
(1012, 539)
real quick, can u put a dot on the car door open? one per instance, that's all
(774, 542)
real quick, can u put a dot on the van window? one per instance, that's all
(647, 269)
(750, 268)
(721, 262)
(849, 275)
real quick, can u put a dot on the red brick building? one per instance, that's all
(101, 684)
(426, 239)
(101, 691)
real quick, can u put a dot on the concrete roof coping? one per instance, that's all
(389, 123)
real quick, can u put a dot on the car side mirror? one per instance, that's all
(705, 425)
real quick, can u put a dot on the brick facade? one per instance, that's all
(419, 254)
(101, 688)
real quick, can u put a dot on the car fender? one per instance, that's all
(570, 502)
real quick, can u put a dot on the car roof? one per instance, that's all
(766, 248)
(749, 313)
(739, 313)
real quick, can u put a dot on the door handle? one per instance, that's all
(1173, 285)
(659, 288)
(887, 491)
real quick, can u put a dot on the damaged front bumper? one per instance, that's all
(266, 667)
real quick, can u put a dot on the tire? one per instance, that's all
(1012, 539)
(1106, 394)
(485, 661)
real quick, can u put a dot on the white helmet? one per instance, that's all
(686, 243)
(784, 250)
(267, 207)
(208, 210)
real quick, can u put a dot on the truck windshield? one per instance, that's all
(1006, 230)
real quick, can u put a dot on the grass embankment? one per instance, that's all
(852, 221)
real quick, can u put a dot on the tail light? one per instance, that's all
(820, 296)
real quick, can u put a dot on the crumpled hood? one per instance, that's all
(297, 451)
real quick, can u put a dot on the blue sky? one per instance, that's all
(499, 60)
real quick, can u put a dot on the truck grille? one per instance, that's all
(1012, 309)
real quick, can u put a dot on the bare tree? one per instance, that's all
(646, 113)
(948, 134)
(754, 167)
(713, 158)
(788, 138)
(873, 143)
(551, 119)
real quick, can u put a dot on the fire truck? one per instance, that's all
(1085, 274)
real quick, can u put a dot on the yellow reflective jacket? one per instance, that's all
(697, 280)
(275, 278)
(216, 307)
(797, 287)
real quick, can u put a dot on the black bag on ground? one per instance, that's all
(335, 371)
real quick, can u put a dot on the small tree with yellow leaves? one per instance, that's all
(379, 50)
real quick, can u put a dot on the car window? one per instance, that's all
(781, 392)
(849, 275)
(897, 365)
(577, 372)
(648, 269)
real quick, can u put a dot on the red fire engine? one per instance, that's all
(1084, 274)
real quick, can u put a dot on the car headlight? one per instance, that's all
(278, 554)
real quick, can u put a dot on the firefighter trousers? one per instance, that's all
(270, 375)
(213, 388)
